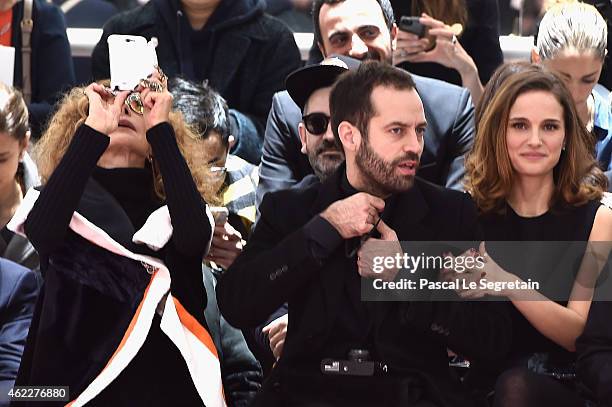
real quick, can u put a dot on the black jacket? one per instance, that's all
(244, 54)
(278, 266)
(18, 291)
(52, 71)
(449, 136)
(594, 352)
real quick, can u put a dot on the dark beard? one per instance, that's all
(323, 167)
(379, 174)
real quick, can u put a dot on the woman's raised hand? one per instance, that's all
(104, 108)
(156, 99)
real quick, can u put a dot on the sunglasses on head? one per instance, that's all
(316, 123)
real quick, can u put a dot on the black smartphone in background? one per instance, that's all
(412, 25)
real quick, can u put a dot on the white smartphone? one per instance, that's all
(131, 59)
(220, 214)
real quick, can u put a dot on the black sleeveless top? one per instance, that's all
(547, 249)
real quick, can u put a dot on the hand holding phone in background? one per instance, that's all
(227, 242)
(411, 24)
(220, 214)
(425, 39)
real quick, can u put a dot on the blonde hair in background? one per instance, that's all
(572, 26)
(448, 11)
(72, 112)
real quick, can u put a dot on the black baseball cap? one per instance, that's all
(302, 82)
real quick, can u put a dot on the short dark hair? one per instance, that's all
(385, 6)
(202, 107)
(351, 97)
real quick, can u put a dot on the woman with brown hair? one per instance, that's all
(534, 179)
(121, 229)
(17, 174)
(461, 45)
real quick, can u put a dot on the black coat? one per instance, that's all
(52, 71)
(240, 371)
(18, 291)
(449, 136)
(277, 266)
(594, 352)
(244, 54)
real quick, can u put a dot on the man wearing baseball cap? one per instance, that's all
(309, 87)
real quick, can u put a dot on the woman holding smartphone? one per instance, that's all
(461, 44)
(121, 229)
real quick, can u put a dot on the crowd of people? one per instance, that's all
(214, 236)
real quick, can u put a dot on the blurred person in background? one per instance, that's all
(86, 13)
(572, 42)
(50, 69)
(460, 46)
(18, 174)
(234, 179)
(243, 53)
(294, 13)
(206, 112)
(605, 9)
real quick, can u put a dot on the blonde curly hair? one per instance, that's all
(71, 114)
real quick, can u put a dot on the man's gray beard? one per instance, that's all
(323, 170)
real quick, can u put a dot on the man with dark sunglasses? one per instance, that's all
(310, 88)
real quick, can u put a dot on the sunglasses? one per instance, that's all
(133, 101)
(316, 123)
